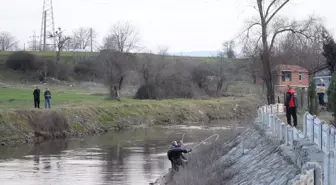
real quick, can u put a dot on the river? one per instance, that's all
(131, 157)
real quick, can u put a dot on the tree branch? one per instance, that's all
(276, 11)
(301, 32)
(269, 8)
(249, 28)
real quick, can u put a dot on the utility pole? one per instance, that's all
(33, 42)
(47, 26)
(91, 39)
(45, 31)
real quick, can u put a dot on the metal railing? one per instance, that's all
(314, 130)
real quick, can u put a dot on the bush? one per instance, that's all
(87, 70)
(24, 61)
(312, 97)
(332, 95)
(173, 87)
(50, 125)
(147, 91)
(64, 71)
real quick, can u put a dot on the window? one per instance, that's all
(300, 76)
(286, 76)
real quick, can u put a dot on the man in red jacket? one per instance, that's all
(291, 106)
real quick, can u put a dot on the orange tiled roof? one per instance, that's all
(284, 67)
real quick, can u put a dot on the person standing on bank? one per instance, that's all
(36, 95)
(47, 98)
(291, 106)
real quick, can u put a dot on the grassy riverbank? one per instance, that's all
(77, 112)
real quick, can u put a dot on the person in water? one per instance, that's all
(175, 156)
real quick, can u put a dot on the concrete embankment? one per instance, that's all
(254, 157)
(21, 126)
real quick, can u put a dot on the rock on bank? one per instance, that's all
(26, 125)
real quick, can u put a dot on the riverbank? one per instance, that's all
(28, 125)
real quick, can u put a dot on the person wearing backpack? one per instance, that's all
(291, 105)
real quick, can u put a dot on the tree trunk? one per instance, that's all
(58, 56)
(114, 92)
(120, 82)
(265, 57)
(254, 79)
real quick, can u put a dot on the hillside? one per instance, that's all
(72, 57)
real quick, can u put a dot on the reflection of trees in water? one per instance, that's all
(147, 164)
(45, 149)
(49, 148)
(114, 168)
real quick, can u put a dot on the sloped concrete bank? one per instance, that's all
(254, 157)
(23, 126)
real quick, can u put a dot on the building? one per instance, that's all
(322, 73)
(293, 75)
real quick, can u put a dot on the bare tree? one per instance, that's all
(60, 42)
(298, 50)
(228, 48)
(201, 75)
(8, 41)
(151, 66)
(122, 38)
(82, 37)
(270, 27)
(115, 66)
(252, 53)
(219, 71)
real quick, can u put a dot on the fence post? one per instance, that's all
(332, 168)
(282, 131)
(326, 170)
(290, 135)
(332, 138)
(275, 118)
(318, 133)
(279, 128)
(286, 134)
(325, 137)
(305, 124)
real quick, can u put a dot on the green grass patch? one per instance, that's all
(18, 98)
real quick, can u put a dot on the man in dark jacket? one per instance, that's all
(291, 105)
(47, 98)
(175, 157)
(36, 95)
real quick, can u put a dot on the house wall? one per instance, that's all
(295, 80)
(324, 72)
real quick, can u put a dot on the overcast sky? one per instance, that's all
(180, 25)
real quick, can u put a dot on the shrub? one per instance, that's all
(87, 70)
(332, 95)
(24, 61)
(64, 71)
(312, 97)
(147, 91)
(50, 125)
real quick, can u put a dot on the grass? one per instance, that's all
(86, 112)
(15, 98)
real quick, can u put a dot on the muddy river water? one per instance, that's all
(130, 157)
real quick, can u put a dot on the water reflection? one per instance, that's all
(131, 157)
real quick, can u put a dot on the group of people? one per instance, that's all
(176, 155)
(47, 98)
